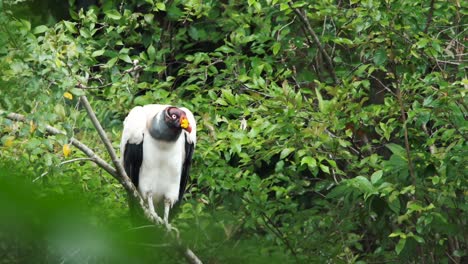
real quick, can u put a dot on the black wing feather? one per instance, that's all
(133, 157)
(186, 167)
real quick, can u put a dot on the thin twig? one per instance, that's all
(74, 160)
(451, 258)
(316, 40)
(40, 176)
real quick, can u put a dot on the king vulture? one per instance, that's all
(156, 151)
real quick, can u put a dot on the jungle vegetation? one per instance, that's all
(328, 131)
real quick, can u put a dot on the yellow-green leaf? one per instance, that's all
(68, 95)
(9, 141)
(276, 47)
(160, 6)
(66, 150)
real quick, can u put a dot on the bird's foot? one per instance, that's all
(157, 219)
(170, 228)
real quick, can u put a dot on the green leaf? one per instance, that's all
(26, 24)
(310, 161)
(321, 102)
(113, 14)
(325, 168)
(227, 94)
(396, 149)
(414, 206)
(422, 42)
(363, 185)
(276, 47)
(77, 91)
(419, 239)
(401, 244)
(284, 6)
(338, 191)
(394, 203)
(174, 13)
(112, 62)
(380, 57)
(40, 29)
(428, 101)
(376, 176)
(193, 33)
(70, 26)
(160, 6)
(97, 53)
(285, 152)
(151, 52)
(125, 58)
(84, 32)
(60, 110)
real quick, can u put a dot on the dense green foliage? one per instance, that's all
(328, 131)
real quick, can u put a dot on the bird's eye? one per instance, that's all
(174, 116)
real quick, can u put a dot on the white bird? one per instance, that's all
(156, 151)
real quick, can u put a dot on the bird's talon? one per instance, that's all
(170, 228)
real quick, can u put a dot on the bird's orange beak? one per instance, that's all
(184, 123)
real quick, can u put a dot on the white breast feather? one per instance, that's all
(162, 168)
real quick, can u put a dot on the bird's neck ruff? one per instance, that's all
(160, 130)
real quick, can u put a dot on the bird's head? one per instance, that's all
(177, 118)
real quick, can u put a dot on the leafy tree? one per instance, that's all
(329, 131)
